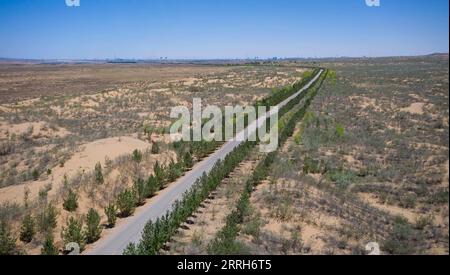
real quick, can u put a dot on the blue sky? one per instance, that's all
(221, 28)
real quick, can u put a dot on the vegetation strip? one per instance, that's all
(157, 233)
(224, 243)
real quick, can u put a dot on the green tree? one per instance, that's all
(71, 201)
(141, 191)
(73, 232)
(99, 179)
(93, 228)
(111, 214)
(126, 203)
(47, 218)
(49, 248)
(27, 230)
(187, 160)
(159, 173)
(153, 185)
(7, 240)
(174, 171)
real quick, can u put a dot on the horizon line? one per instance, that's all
(215, 58)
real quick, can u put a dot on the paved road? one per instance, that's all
(131, 230)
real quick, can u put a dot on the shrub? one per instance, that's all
(340, 131)
(47, 218)
(187, 160)
(253, 227)
(409, 200)
(401, 240)
(35, 175)
(111, 214)
(98, 172)
(424, 221)
(148, 129)
(153, 185)
(159, 173)
(71, 201)
(174, 171)
(141, 191)
(49, 248)
(137, 156)
(155, 148)
(27, 230)
(311, 166)
(126, 203)
(93, 228)
(342, 178)
(73, 232)
(7, 241)
(6, 148)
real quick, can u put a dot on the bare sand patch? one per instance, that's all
(366, 102)
(190, 81)
(415, 108)
(34, 129)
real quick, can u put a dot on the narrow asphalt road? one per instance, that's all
(130, 231)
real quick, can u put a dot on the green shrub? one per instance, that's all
(47, 218)
(98, 172)
(408, 200)
(340, 130)
(141, 191)
(7, 240)
(93, 228)
(342, 178)
(401, 240)
(27, 230)
(153, 185)
(126, 203)
(35, 175)
(424, 221)
(71, 201)
(311, 166)
(49, 248)
(73, 232)
(155, 148)
(187, 160)
(137, 156)
(111, 214)
(159, 173)
(174, 171)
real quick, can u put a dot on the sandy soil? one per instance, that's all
(81, 162)
(415, 108)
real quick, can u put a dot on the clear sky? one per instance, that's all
(49, 29)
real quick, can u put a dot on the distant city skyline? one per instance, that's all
(221, 29)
